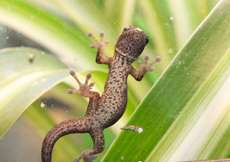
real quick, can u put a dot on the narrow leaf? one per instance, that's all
(187, 110)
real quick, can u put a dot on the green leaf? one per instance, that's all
(23, 81)
(185, 116)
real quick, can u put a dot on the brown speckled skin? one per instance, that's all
(103, 111)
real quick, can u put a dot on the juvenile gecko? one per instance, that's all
(105, 110)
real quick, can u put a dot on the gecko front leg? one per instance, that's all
(84, 90)
(100, 45)
(138, 75)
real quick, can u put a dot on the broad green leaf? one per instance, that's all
(23, 81)
(185, 116)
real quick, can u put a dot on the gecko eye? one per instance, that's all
(126, 28)
(147, 40)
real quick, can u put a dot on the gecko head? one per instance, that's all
(131, 43)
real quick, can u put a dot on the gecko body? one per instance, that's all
(105, 110)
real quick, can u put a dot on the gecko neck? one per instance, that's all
(119, 54)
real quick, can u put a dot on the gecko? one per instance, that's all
(106, 109)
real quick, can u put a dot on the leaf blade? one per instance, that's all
(173, 94)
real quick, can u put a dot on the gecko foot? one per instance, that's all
(86, 157)
(147, 67)
(84, 89)
(99, 44)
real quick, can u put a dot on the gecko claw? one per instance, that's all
(158, 59)
(102, 34)
(72, 73)
(86, 157)
(70, 91)
(147, 57)
(151, 69)
(139, 62)
(106, 43)
(90, 34)
(89, 75)
(92, 46)
(91, 84)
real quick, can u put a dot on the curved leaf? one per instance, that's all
(23, 81)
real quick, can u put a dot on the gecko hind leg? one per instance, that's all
(99, 145)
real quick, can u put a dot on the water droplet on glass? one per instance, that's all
(42, 105)
(170, 50)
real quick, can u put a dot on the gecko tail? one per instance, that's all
(61, 129)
